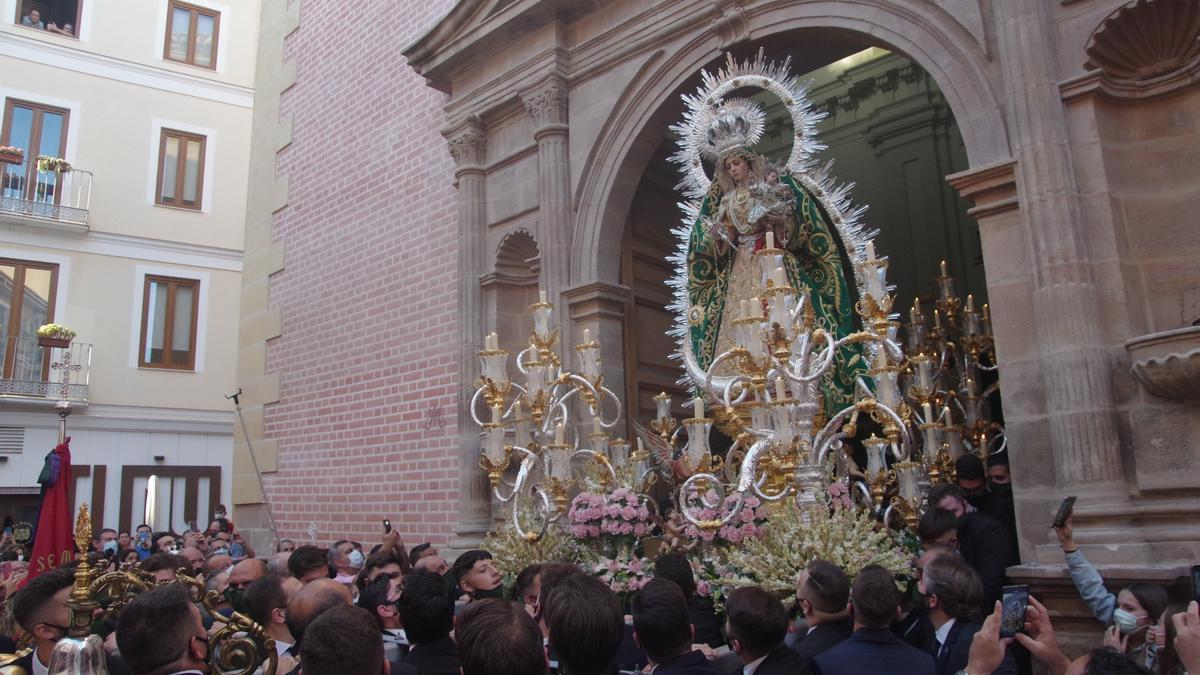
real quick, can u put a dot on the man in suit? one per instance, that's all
(872, 648)
(380, 598)
(705, 619)
(41, 609)
(952, 590)
(498, 637)
(343, 639)
(982, 541)
(757, 623)
(427, 613)
(663, 629)
(823, 596)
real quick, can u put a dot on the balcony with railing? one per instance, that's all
(59, 199)
(34, 374)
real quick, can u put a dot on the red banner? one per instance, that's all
(54, 539)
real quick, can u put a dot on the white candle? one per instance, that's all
(560, 437)
(928, 412)
(495, 414)
(943, 267)
(970, 302)
(542, 295)
(777, 277)
(870, 251)
(946, 419)
(770, 239)
(587, 336)
(779, 392)
(744, 309)
(698, 407)
(596, 428)
(756, 305)
(517, 409)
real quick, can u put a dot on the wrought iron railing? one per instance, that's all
(51, 195)
(33, 371)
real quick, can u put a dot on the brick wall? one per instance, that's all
(365, 420)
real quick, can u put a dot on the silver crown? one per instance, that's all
(734, 127)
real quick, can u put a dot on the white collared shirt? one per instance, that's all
(941, 634)
(753, 665)
(38, 668)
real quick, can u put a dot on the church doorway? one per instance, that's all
(889, 131)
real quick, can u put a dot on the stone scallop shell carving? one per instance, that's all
(1168, 363)
(1146, 39)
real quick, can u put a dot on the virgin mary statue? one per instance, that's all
(750, 203)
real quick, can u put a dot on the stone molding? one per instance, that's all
(468, 143)
(547, 103)
(1167, 363)
(732, 26)
(992, 188)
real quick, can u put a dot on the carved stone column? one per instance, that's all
(547, 105)
(1078, 389)
(468, 147)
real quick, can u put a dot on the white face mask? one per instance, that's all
(356, 559)
(1126, 622)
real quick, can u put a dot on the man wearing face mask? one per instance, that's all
(41, 609)
(240, 577)
(477, 576)
(160, 631)
(823, 596)
(348, 561)
(106, 543)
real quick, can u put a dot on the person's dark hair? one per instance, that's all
(124, 553)
(465, 562)
(827, 587)
(969, 467)
(263, 596)
(374, 595)
(585, 623)
(498, 637)
(343, 639)
(306, 559)
(28, 603)
(155, 628)
(661, 620)
(166, 561)
(756, 619)
(1108, 661)
(675, 566)
(524, 580)
(998, 459)
(141, 526)
(154, 547)
(551, 575)
(279, 545)
(107, 529)
(374, 562)
(1152, 597)
(934, 523)
(956, 584)
(874, 597)
(425, 609)
(942, 490)
(1168, 658)
(415, 554)
(123, 532)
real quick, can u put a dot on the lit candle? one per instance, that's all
(517, 409)
(777, 277)
(587, 336)
(779, 392)
(928, 411)
(560, 435)
(946, 418)
(770, 239)
(970, 302)
(914, 314)
(542, 294)
(641, 448)
(943, 266)
(664, 405)
(937, 320)
(987, 320)
(870, 251)
(698, 407)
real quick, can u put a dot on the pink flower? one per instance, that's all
(625, 528)
(703, 588)
(629, 513)
(639, 530)
(635, 565)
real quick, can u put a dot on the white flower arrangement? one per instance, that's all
(11, 150)
(54, 330)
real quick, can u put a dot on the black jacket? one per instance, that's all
(986, 546)
(957, 650)
(870, 651)
(822, 638)
(692, 663)
(784, 661)
(435, 658)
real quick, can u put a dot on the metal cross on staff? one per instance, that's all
(63, 406)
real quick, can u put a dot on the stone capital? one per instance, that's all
(468, 142)
(547, 102)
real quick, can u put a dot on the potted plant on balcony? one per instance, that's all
(11, 155)
(55, 335)
(55, 164)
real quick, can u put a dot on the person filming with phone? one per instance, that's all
(1131, 612)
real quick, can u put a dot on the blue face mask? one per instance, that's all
(356, 558)
(110, 546)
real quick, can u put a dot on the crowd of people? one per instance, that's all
(390, 609)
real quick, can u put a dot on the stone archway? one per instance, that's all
(943, 46)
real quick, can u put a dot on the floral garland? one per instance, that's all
(747, 524)
(624, 576)
(622, 514)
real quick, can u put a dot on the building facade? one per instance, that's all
(136, 245)
(1070, 147)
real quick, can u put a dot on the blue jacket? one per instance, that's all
(1091, 587)
(870, 651)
